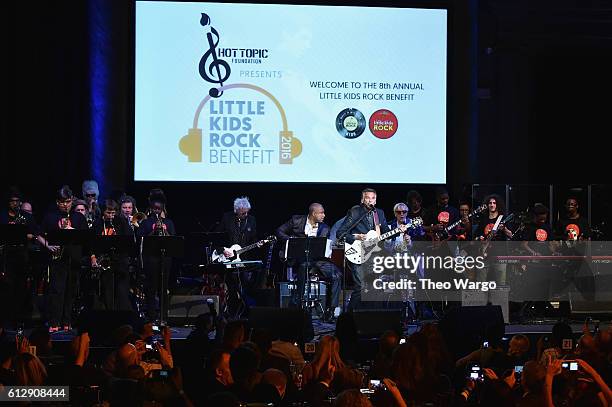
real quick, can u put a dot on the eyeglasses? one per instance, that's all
(492, 203)
(90, 195)
(401, 211)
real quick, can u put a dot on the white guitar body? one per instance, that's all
(237, 251)
(361, 250)
(221, 258)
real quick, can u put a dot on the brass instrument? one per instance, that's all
(19, 218)
(89, 219)
(159, 229)
(64, 224)
(137, 218)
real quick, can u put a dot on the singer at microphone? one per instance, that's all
(360, 220)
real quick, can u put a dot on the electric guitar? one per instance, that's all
(501, 222)
(360, 251)
(237, 251)
(445, 233)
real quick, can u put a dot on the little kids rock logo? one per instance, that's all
(232, 124)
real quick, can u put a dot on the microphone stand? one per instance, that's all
(363, 215)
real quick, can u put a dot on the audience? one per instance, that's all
(141, 369)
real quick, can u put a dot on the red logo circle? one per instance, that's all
(541, 235)
(573, 231)
(443, 217)
(383, 123)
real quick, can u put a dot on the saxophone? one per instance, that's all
(105, 259)
(19, 218)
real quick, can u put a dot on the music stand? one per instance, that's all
(12, 235)
(303, 250)
(113, 245)
(163, 246)
(63, 237)
(206, 240)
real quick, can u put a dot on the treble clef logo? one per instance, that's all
(213, 69)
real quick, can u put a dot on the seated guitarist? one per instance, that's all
(360, 219)
(312, 225)
(239, 227)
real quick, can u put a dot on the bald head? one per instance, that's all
(316, 213)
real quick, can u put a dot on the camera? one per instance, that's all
(485, 344)
(160, 374)
(570, 365)
(476, 373)
(518, 370)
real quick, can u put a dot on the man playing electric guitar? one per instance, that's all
(491, 228)
(360, 220)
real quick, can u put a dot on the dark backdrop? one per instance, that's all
(528, 98)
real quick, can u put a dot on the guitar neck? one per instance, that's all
(456, 223)
(394, 232)
(247, 248)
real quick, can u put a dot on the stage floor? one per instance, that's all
(323, 328)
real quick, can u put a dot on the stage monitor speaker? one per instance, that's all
(101, 324)
(498, 296)
(184, 309)
(465, 328)
(290, 324)
(373, 323)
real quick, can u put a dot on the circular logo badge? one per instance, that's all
(443, 217)
(541, 235)
(383, 123)
(350, 123)
(573, 231)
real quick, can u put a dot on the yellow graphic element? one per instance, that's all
(289, 146)
(191, 145)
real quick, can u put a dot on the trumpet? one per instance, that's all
(159, 229)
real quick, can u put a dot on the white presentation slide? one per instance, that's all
(289, 93)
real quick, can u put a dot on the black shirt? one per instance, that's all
(53, 217)
(243, 232)
(148, 225)
(118, 224)
(580, 225)
(29, 222)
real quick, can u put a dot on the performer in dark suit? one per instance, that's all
(240, 227)
(312, 225)
(360, 219)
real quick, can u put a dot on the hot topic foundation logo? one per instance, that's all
(233, 135)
